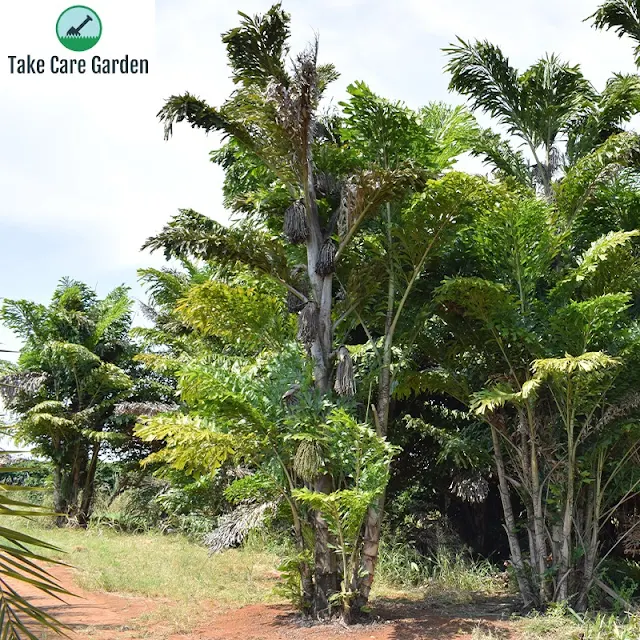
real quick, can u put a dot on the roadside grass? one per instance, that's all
(560, 623)
(164, 566)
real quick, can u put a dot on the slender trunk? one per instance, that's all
(564, 566)
(373, 522)
(528, 597)
(591, 536)
(306, 574)
(60, 495)
(89, 487)
(538, 512)
(325, 574)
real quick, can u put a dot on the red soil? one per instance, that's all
(105, 616)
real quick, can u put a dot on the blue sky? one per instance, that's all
(85, 175)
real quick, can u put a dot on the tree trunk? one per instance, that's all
(325, 574)
(528, 597)
(373, 522)
(61, 497)
(326, 566)
(84, 512)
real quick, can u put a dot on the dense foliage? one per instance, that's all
(373, 323)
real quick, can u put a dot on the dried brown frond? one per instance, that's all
(234, 527)
(470, 487)
(143, 408)
(27, 383)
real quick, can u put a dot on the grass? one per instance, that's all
(160, 566)
(447, 577)
(560, 623)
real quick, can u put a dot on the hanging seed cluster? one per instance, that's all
(346, 216)
(470, 488)
(300, 282)
(308, 460)
(345, 384)
(325, 185)
(308, 323)
(295, 223)
(327, 258)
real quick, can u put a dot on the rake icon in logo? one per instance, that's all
(75, 31)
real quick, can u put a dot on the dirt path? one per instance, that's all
(105, 616)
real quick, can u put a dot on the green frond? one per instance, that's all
(191, 444)
(595, 169)
(436, 380)
(583, 363)
(482, 72)
(623, 16)
(199, 115)
(483, 300)
(24, 318)
(612, 109)
(488, 400)
(498, 153)
(258, 47)
(236, 314)
(192, 235)
(596, 256)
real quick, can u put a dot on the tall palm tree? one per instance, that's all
(274, 116)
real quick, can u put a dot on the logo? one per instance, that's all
(79, 28)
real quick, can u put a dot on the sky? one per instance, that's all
(85, 174)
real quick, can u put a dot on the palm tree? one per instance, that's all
(273, 116)
(21, 556)
(551, 108)
(67, 382)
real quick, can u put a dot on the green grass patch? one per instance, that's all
(446, 576)
(165, 566)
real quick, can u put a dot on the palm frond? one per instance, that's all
(258, 47)
(192, 235)
(623, 16)
(233, 528)
(482, 72)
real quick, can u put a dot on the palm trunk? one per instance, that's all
(591, 536)
(89, 488)
(61, 495)
(373, 522)
(326, 566)
(539, 553)
(326, 572)
(524, 584)
(564, 566)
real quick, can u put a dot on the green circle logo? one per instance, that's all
(79, 28)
